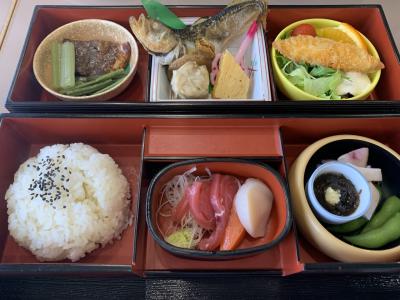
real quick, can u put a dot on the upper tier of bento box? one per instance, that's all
(152, 81)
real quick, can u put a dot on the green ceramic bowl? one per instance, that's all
(295, 93)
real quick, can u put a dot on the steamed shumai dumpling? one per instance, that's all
(190, 81)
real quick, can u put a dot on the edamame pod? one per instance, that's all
(389, 208)
(376, 238)
(349, 226)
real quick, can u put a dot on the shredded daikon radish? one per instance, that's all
(172, 194)
(188, 222)
(175, 188)
(208, 172)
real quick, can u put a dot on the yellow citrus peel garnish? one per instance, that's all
(343, 33)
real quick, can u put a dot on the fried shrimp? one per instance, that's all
(328, 53)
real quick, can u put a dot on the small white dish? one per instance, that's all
(353, 175)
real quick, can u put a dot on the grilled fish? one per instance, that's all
(232, 21)
(328, 53)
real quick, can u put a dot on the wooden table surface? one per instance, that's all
(215, 287)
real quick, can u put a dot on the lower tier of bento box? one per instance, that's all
(142, 147)
(27, 95)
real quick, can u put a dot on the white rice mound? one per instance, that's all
(67, 201)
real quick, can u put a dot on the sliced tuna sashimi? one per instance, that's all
(358, 157)
(223, 191)
(200, 204)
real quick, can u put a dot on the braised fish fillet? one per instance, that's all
(328, 53)
(93, 58)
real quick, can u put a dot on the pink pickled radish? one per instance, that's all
(245, 44)
(239, 56)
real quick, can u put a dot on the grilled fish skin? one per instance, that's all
(232, 20)
(328, 53)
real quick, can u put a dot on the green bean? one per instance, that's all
(349, 226)
(114, 83)
(378, 237)
(87, 90)
(389, 208)
(111, 75)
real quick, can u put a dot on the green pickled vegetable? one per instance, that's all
(67, 75)
(378, 237)
(349, 226)
(56, 64)
(182, 238)
(390, 207)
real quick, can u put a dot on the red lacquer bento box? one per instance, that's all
(142, 146)
(26, 94)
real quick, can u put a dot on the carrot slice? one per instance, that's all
(234, 232)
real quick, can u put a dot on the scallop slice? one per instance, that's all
(253, 203)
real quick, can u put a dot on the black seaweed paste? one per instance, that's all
(336, 194)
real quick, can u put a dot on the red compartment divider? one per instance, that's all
(212, 141)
